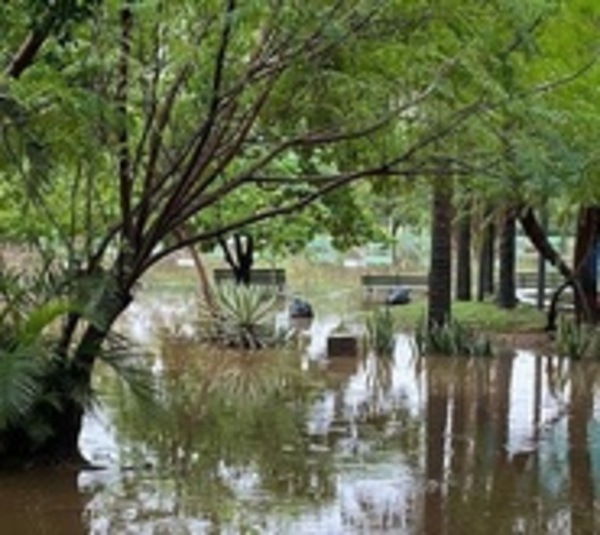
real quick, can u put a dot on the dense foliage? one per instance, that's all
(123, 122)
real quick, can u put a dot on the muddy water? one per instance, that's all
(290, 444)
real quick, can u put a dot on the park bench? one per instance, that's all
(259, 277)
(526, 282)
(376, 285)
(529, 279)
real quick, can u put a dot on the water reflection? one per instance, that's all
(267, 444)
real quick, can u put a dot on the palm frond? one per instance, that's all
(21, 385)
(40, 318)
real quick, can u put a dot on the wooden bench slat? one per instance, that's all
(261, 276)
(528, 279)
(406, 279)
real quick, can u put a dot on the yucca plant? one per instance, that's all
(381, 332)
(452, 338)
(241, 316)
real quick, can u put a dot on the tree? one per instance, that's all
(195, 107)
(529, 143)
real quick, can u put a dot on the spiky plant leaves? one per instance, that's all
(21, 384)
(241, 316)
(245, 305)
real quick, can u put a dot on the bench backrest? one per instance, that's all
(261, 276)
(528, 279)
(405, 279)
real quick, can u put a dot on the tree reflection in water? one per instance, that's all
(430, 445)
(229, 423)
(489, 450)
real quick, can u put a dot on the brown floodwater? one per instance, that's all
(290, 444)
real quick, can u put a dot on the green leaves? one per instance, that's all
(40, 318)
(21, 386)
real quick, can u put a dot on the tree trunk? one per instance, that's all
(205, 288)
(241, 258)
(439, 303)
(537, 235)
(463, 257)
(585, 265)
(487, 260)
(541, 269)
(507, 295)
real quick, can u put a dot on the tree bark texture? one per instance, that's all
(507, 294)
(463, 256)
(487, 259)
(440, 287)
(586, 308)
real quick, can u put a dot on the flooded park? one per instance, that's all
(290, 441)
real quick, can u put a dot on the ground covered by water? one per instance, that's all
(294, 442)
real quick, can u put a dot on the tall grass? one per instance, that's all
(381, 332)
(576, 341)
(452, 338)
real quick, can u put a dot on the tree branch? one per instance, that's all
(125, 169)
(30, 47)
